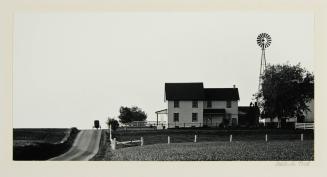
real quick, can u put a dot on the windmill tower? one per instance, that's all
(263, 41)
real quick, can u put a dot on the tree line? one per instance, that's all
(127, 115)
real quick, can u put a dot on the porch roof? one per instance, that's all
(214, 111)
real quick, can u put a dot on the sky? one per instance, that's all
(72, 68)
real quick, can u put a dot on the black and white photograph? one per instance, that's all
(163, 86)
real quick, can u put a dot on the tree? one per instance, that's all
(113, 122)
(285, 90)
(253, 115)
(128, 115)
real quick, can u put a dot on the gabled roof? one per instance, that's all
(184, 91)
(221, 94)
(195, 91)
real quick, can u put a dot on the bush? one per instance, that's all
(74, 130)
(113, 122)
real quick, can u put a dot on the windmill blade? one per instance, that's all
(263, 40)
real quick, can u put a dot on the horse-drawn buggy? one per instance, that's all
(97, 124)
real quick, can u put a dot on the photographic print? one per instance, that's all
(163, 86)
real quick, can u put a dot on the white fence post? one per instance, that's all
(266, 137)
(142, 141)
(168, 139)
(113, 144)
(230, 138)
(195, 138)
(301, 136)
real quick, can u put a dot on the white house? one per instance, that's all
(309, 115)
(190, 104)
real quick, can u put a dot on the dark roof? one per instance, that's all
(184, 91)
(221, 94)
(214, 111)
(195, 91)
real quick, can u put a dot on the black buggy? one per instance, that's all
(96, 124)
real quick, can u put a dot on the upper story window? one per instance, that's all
(194, 104)
(228, 104)
(176, 117)
(209, 104)
(176, 104)
(194, 117)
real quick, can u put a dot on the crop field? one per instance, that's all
(208, 151)
(29, 136)
(211, 145)
(41, 144)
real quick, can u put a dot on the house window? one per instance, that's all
(176, 104)
(194, 104)
(194, 117)
(209, 104)
(176, 117)
(228, 104)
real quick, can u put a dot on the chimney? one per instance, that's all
(234, 86)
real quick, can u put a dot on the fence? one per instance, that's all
(114, 142)
(304, 126)
(153, 125)
(196, 138)
(195, 124)
(144, 123)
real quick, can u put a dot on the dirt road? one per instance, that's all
(85, 146)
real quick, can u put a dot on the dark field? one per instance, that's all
(185, 135)
(41, 144)
(208, 151)
(283, 144)
(31, 136)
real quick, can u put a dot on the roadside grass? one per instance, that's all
(218, 151)
(41, 144)
(104, 146)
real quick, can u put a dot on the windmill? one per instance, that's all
(263, 41)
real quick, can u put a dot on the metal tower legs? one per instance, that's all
(262, 67)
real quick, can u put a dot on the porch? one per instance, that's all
(213, 117)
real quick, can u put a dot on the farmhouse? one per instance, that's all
(192, 105)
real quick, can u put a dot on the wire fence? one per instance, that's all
(168, 137)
